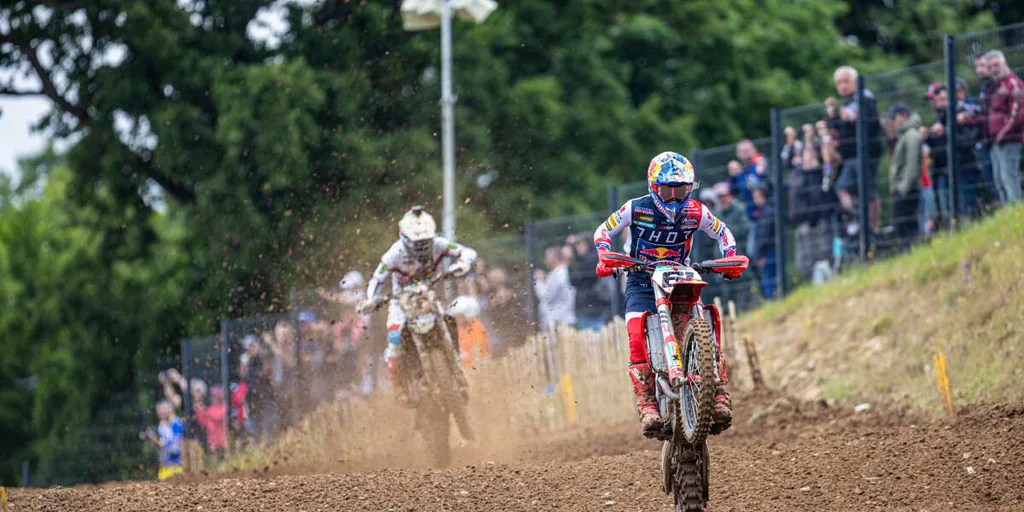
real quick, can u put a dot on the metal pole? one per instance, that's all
(780, 206)
(951, 154)
(531, 260)
(186, 398)
(447, 122)
(224, 381)
(863, 164)
(26, 474)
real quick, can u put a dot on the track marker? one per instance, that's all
(942, 380)
(3, 499)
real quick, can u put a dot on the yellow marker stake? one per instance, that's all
(942, 380)
(3, 499)
(568, 400)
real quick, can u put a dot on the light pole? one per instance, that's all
(428, 14)
(447, 122)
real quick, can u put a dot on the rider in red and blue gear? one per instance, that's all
(659, 227)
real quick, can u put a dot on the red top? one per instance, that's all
(212, 420)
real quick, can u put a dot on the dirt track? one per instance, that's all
(779, 457)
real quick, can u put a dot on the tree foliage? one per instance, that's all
(211, 171)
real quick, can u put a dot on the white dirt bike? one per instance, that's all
(429, 367)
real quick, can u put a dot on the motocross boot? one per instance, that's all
(722, 413)
(646, 405)
(399, 382)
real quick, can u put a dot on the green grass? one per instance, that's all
(872, 332)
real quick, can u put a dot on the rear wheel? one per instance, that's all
(697, 399)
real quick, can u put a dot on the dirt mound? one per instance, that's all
(793, 456)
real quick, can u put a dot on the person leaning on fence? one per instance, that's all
(555, 293)
(843, 120)
(764, 241)
(167, 438)
(808, 209)
(733, 213)
(968, 173)
(905, 172)
(1005, 126)
(593, 295)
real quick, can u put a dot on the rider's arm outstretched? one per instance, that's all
(462, 257)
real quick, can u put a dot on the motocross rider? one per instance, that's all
(660, 227)
(417, 255)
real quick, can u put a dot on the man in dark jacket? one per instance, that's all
(967, 136)
(733, 213)
(764, 241)
(593, 295)
(843, 121)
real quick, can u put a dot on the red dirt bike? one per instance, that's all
(686, 371)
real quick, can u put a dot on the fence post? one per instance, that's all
(224, 381)
(531, 265)
(299, 382)
(618, 308)
(780, 203)
(26, 474)
(186, 398)
(951, 151)
(863, 162)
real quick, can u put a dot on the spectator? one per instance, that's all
(748, 173)
(167, 438)
(843, 121)
(257, 373)
(213, 421)
(593, 295)
(732, 213)
(473, 338)
(764, 241)
(1005, 126)
(905, 171)
(808, 208)
(555, 292)
(967, 168)
(792, 149)
(928, 210)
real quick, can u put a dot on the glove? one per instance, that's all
(604, 270)
(459, 269)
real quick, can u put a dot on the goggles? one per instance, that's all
(674, 193)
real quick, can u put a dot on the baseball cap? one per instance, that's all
(934, 89)
(897, 109)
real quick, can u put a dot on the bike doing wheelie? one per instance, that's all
(686, 368)
(662, 302)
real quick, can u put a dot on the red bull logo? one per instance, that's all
(661, 253)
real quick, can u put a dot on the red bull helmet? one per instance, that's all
(672, 179)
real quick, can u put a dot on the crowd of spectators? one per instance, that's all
(822, 163)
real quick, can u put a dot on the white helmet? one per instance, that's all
(417, 231)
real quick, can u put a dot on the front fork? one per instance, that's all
(673, 353)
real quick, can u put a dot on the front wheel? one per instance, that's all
(697, 397)
(691, 479)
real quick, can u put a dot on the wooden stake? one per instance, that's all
(754, 363)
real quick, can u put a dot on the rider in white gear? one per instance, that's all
(417, 255)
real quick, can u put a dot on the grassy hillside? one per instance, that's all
(872, 332)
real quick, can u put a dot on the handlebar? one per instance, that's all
(380, 300)
(730, 267)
